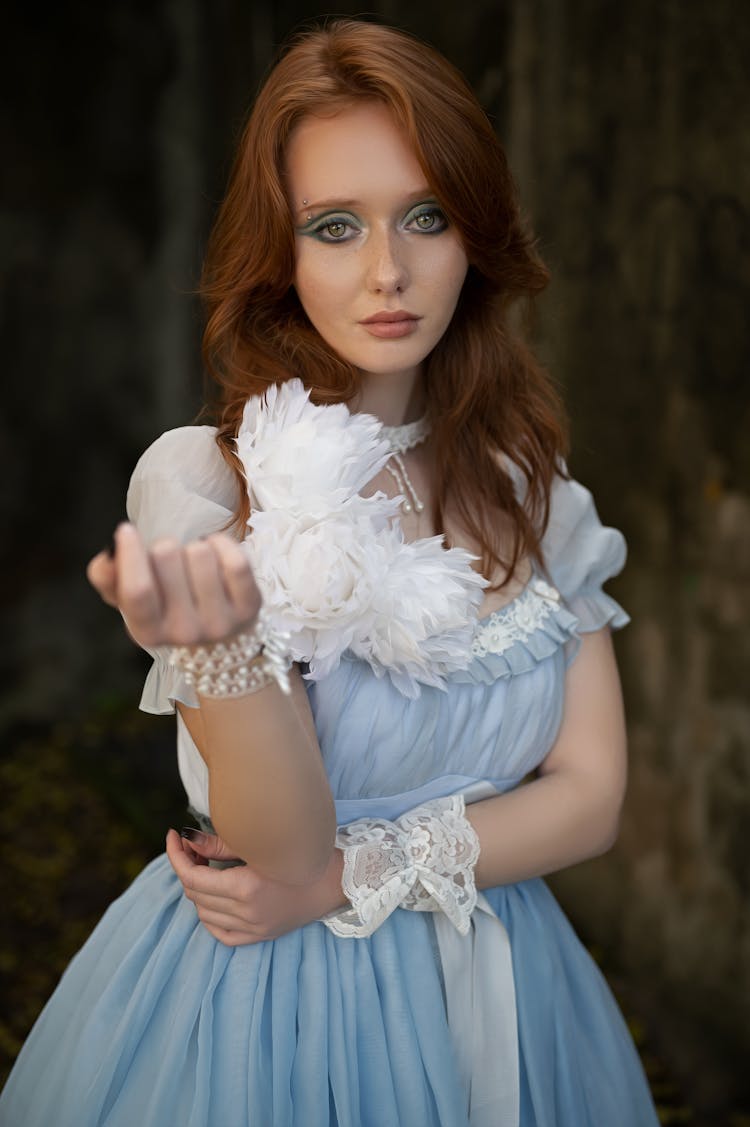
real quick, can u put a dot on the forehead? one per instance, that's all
(357, 151)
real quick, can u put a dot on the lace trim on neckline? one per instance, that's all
(517, 620)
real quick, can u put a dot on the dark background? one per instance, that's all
(626, 124)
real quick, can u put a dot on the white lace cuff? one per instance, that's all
(423, 861)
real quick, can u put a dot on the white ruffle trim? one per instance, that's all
(333, 567)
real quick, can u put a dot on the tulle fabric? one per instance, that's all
(157, 1024)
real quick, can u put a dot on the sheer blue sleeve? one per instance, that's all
(581, 554)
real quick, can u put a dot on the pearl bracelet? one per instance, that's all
(246, 664)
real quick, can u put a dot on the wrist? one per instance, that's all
(327, 895)
(243, 662)
(333, 898)
(423, 862)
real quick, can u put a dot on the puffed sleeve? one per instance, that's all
(181, 487)
(581, 554)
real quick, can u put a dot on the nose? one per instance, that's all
(387, 269)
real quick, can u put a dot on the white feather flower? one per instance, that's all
(319, 576)
(296, 454)
(422, 618)
(333, 567)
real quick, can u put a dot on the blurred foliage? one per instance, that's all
(86, 807)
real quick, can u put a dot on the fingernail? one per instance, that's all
(192, 834)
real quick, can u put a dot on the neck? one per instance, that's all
(393, 397)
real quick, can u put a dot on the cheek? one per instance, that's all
(320, 284)
(447, 278)
(457, 265)
(304, 284)
(457, 278)
(445, 270)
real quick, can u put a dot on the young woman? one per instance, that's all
(431, 671)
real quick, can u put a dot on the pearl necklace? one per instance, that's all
(400, 439)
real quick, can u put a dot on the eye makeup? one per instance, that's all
(426, 218)
(330, 228)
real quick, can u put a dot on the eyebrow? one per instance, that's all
(333, 203)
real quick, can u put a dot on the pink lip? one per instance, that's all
(388, 318)
(390, 326)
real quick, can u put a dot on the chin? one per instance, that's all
(396, 360)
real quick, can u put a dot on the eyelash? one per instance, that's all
(322, 229)
(430, 210)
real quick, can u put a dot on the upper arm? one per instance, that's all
(581, 555)
(591, 742)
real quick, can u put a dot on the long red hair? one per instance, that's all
(487, 395)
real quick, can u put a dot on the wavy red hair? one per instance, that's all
(487, 395)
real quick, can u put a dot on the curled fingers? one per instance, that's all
(238, 577)
(178, 595)
(138, 593)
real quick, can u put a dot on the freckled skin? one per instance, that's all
(377, 240)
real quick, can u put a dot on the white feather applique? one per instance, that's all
(333, 567)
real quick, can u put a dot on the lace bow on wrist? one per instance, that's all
(424, 861)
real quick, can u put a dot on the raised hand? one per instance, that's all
(175, 594)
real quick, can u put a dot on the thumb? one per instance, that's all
(209, 846)
(101, 573)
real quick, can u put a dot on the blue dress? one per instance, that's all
(157, 1024)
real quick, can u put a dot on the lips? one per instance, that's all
(386, 318)
(390, 326)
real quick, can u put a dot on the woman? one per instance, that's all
(433, 633)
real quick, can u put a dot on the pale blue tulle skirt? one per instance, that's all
(155, 1024)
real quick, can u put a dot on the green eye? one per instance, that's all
(427, 218)
(336, 229)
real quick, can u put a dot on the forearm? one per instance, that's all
(268, 792)
(571, 811)
(547, 824)
(431, 858)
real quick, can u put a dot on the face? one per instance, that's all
(378, 268)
